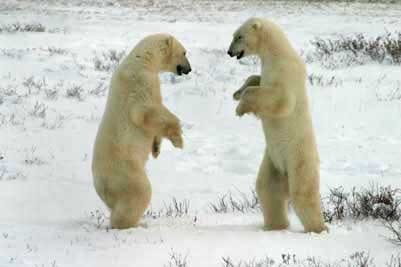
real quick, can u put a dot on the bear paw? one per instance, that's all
(174, 135)
(242, 109)
(177, 141)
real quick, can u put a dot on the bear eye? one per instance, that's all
(239, 37)
(185, 53)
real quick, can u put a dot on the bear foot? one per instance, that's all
(275, 227)
(317, 229)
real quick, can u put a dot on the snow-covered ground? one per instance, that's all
(52, 96)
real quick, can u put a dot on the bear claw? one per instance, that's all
(177, 141)
(155, 150)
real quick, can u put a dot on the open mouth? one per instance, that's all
(179, 70)
(240, 55)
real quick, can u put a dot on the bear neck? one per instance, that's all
(150, 62)
(149, 59)
(276, 48)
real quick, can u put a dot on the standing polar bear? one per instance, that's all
(132, 126)
(290, 167)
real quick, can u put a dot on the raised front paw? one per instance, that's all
(243, 108)
(177, 140)
(248, 102)
(174, 134)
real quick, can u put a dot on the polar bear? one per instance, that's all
(290, 167)
(132, 126)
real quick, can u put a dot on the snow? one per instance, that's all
(47, 196)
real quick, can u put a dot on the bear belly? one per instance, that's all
(277, 146)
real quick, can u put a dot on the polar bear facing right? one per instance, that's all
(290, 167)
(134, 121)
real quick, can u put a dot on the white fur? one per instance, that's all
(132, 126)
(290, 168)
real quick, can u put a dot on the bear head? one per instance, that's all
(246, 40)
(174, 57)
(161, 53)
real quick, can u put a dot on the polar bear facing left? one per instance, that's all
(290, 167)
(132, 126)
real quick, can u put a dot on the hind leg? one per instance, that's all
(126, 214)
(272, 190)
(132, 203)
(305, 194)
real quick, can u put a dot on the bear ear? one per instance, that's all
(256, 25)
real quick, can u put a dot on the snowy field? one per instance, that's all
(56, 61)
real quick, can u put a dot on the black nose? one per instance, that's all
(230, 53)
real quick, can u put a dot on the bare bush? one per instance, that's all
(18, 27)
(361, 259)
(108, 60)
(15, 121)
(354, 50)
(395, 261)
(394, 228)
(174, 209)
(358, 259)
(5, 175)
(55, 123)
(15, 176)
(10, 90)
(98, 217)
(38, 110)
(266, 262)
(393, 95)
(375, 202)
(320, 80)
(52, 92)
(240, 203)
(99, 90)
(56, 51)
(177, 260)
(34, 85)
(75, 91)
(336, 206)
(11, 53)
(31, 158)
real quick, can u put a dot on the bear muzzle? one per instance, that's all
(237, 54)
(183, 69)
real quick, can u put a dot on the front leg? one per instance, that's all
(157, 141)
(266, 101)
(158, 121)
(253, 80)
